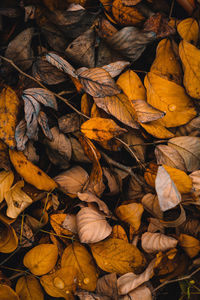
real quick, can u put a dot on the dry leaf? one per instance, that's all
(9, 107)
(191, 79)
(195, 176)
(57, 221)
(4, 157)
(132, 86)
(78, 153)
(115, 68)
(70, 224)
(101, 129)
(107, 286)
(61, 64)
(152, 242)
(189, 148)
(97, 82)
(78, 258)
(31, 173)
(145, 112)
(171, 98)
(168, 194)
(169, 156)
(9, 240)
(188, 5)
(6, 181)
(41, 259)
(130, 281)
(92, 225)
(7, 293)
(90, 197)
(69, 123)
(28, 288)
(142, 292)
(17, 201)
(115, 255)
(166, 63)
(157, 130)
(119, 107)
(151, 204)
(131, 214)
(125, 15)
(188, 29)
(73, 180)
(113, 181)
(118, 232)
(189, 244)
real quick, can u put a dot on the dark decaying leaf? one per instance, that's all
(107, 55)
(42, 96)
(97, 82)
(60, 63)
(69, 123)
(19, 49)
(20, 135)
(31, 110)
(82, 49)
(159, 24)
(43, 121)
(4, 157)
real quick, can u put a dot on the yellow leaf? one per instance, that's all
(101, 129)
(156, 129)
(125, 15)
(31, 173)
(7, 293)
(118, 232)
(132, 86)
(131, 214)
(171, 98)
(166, 63)
(190, 57)
(41, 259)
(189, 244)
(78, 258)
(28, 288)
(9, 240)
(6, 180)
(189, 30)
(116, 255)
(9, 105)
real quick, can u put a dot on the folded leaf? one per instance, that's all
(60, 63)
(152, 242)
(6, 181)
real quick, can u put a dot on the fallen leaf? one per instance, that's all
(191, 68)
(61, 64)
(69, 122)
(117, 256)
(89, 197)
(156, 129)
(31, 173)
(131, 214)
(4, 157)
(73, 180)
(188, 29)
(28, 288)
(17, 201)
(9, 240)
(42, 96)
(159, 24)
(92, 225)
(141, 292)
(113, 181)
(151, 204)
(146, 113)
(97, 82)
(171, 98)
(107, 286)
(101, 129)
(43, 121)
(41, 259)
(118, 232)
(188, 5)
(6, 181)
(115, 68)
(57, 221)
(189, 148)
(70, 224)
(152, 242)
(7, 293)
(9, 106)
(190, 244)
(168, 194)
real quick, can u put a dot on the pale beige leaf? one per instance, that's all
(115, 68)
(17, 200)
(107, 286)
(169, 156)
(73, 180)
(189, 148)
(131, 214)
(70, 224)
(6, 180)
(153, 242)
(168, 194)
(140, 293)
(131, 281)
(92, 225)
(188, 29)
(28, 288)
(151, 204)
(196, 182)
(90, 197)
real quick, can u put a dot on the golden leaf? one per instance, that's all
(152, 242)
(72, 180)
(17, 200)
(131, 281)
(31, 173)
(101, 129)
(166, 63)
(125, 15)
(9, 105)
(189, 244)
(118, 232)
(191, 68)
(78, 258)
(171, 98)
(132, 86)
(7, 293)
(41, 259)
(28, 288)
(6, 180)
(8, 240)
(188, 29)
(120, 107)
(116, 255)
(92, 225)
(131, 214)
(189, 148)
(156, 129)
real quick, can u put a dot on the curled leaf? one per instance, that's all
(41, 95)
(152, 242)
(90, 197)
(141, 292)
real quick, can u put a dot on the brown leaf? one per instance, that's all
(152, 242)
(107, 286)
(115, 68)
(4, 157)
(158, 23)
(69, 123)
(151, 204)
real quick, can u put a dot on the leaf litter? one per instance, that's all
(99, 149)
